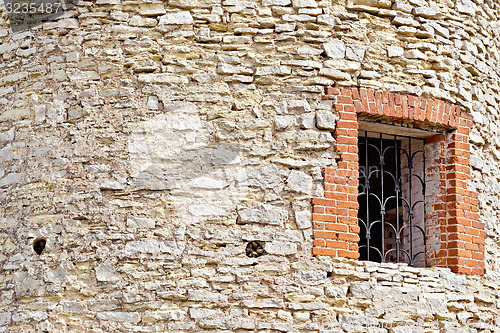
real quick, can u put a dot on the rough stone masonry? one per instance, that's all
(148, 142)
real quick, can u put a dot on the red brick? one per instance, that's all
(392, 105)
(348, 237)
(378, 103)
(478, 240)
(324, 234)
(324, 217)
(318, 209)
(332, 211)
(358, 106)
(355, 93)
(348, 220)
(319, 242)
(348, 204)
(337, 244)
(348, 254)
(347, 124)
(428, 111)
(318, 225)
(354, 229)
(404, 106)
(337, 227)
(477, 271)
(459, 253)
(472, 247)
(348, 115)
(322, 202)
(346, 92)
(397, 99)
(332, 91)
(345, 140)
(324, 251)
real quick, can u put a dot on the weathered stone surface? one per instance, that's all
(326, 121)
(105, 272)
(262, 213)
(309, 277)
(264, 177)
(395, 51)
(140, 222)
(5, 318)
(162, 78)
(206, 296)
(150, 141)
(303, 219)
(281, 248)
(264, 303)
(306, 121)
(335, 49)
(10, 179)
(131, 317)
(182, 17)
(299, 182)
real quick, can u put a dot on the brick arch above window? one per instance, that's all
(455, 236)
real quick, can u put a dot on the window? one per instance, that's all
(446, 227)
(391, 200)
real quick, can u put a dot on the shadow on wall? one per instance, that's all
(174, 151)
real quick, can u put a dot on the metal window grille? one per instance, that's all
(391, 198)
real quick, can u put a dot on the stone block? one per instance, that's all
(299, 182)
(335, 49)
(394, 51)
(355, 52)
(182, 17)
(197, 313)
(162, 78)
(262, 213)
(281, 123)
(5, 318)
(335, 74)
(118, 316)
(306, 121)
(264, 303)
(106, 272)
(280, 248)
(326, 121)
(276, 2)
(310, 277)
(140, 222)
(206, 209)
(304, 3)
(298, 106)
(303, 219)
(10, 179)
(201, 295)
(267, 176)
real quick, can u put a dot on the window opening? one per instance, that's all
(391, 198)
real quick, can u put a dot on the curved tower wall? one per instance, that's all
(148, 142)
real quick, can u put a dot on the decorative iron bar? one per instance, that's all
(391, 198)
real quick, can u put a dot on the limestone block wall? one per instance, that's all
(148, 142)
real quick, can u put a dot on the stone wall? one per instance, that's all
(150, 141)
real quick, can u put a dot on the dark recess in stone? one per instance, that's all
(255, 249)
(39, 245)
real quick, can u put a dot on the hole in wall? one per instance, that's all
(39, 245)
(255, 249)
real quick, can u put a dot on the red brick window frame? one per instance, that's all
(455, 237)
